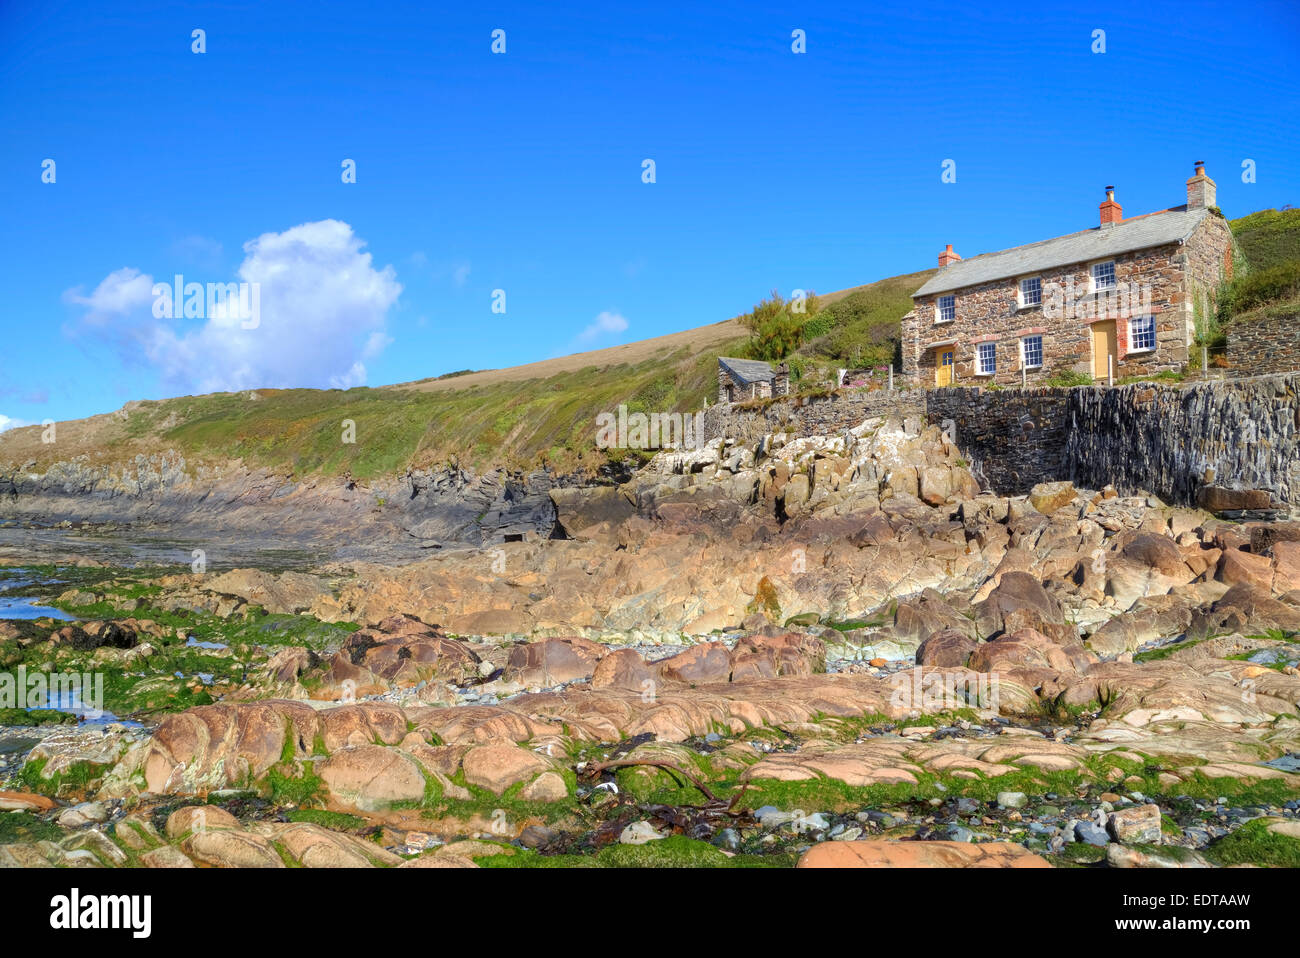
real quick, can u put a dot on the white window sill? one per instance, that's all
(1030, 369)
(944, 322)
(985, 375)
(1140, 352)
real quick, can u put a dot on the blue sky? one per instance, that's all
(522, 171)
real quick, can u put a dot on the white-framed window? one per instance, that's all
(946, 310)
(1031, 291)
(1031, 352)
(986, 359)
(1103, 275)
(1142, 334)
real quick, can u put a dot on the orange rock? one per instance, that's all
(887, 854)
(24, 802)
(1236, 566)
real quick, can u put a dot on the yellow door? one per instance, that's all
(943, 368)
(1103, 347)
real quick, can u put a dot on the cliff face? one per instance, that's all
(397, 517)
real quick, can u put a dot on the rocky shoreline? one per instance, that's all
(829, 650)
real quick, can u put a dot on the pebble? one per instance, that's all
(1091, 833)
(958, 833)
(83, 814)
(1012, 799)
(639, 833)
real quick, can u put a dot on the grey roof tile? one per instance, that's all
(746, 370)
(1140, 232)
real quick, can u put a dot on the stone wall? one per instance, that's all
(1264, 346)
(1237, 435)
(1174, 442)
(1011, 439)
(808, 416)
(1241, 435)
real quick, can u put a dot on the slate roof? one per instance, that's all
(1140, 232)
(746, 371)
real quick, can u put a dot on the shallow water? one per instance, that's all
(16, 608)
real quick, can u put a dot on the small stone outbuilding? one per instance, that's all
(740, 380)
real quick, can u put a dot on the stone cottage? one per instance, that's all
(1122, 298)
(743, 379)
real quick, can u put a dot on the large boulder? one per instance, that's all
(767, 656)
(1028, 649)
(371, 777)
(1158, 552)
(946, 649)
(287, 593)
(1048, 497)
(1021, 602)
(922, 616)
(1245, 607)
(700, 664)
(553, 661)
(624, 669)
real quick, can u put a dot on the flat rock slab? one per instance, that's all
(886, 854)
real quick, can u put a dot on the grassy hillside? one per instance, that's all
(1268, 238)
(851, 328)
(544, 413)
(1266, 280)
(520, 423)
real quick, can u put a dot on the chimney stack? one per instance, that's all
(1200, 189)
(1111, 212)
(948, 256)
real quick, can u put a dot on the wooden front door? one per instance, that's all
(943, 367)
(1103, 347)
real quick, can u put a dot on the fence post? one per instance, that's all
(1110, 370)
(1205, 361)
(891, 377)
(1024, 378)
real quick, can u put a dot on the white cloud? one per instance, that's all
(118, 294)
(606, 322)
(323, 310)
(7, 422)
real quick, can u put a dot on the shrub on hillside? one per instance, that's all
(1268, 237)
(1068, 377)
(776, 326)
(1259, 288)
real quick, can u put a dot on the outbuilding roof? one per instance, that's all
(1141, 232)
(746, 371)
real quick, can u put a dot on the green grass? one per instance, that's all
(1266, 281)
(530, 422)
(25, 717)
(25, 827)
(1067, 377)
(337, 821)
(78, 778)
(675, 851)
(1268, 238)
(1254, 844)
